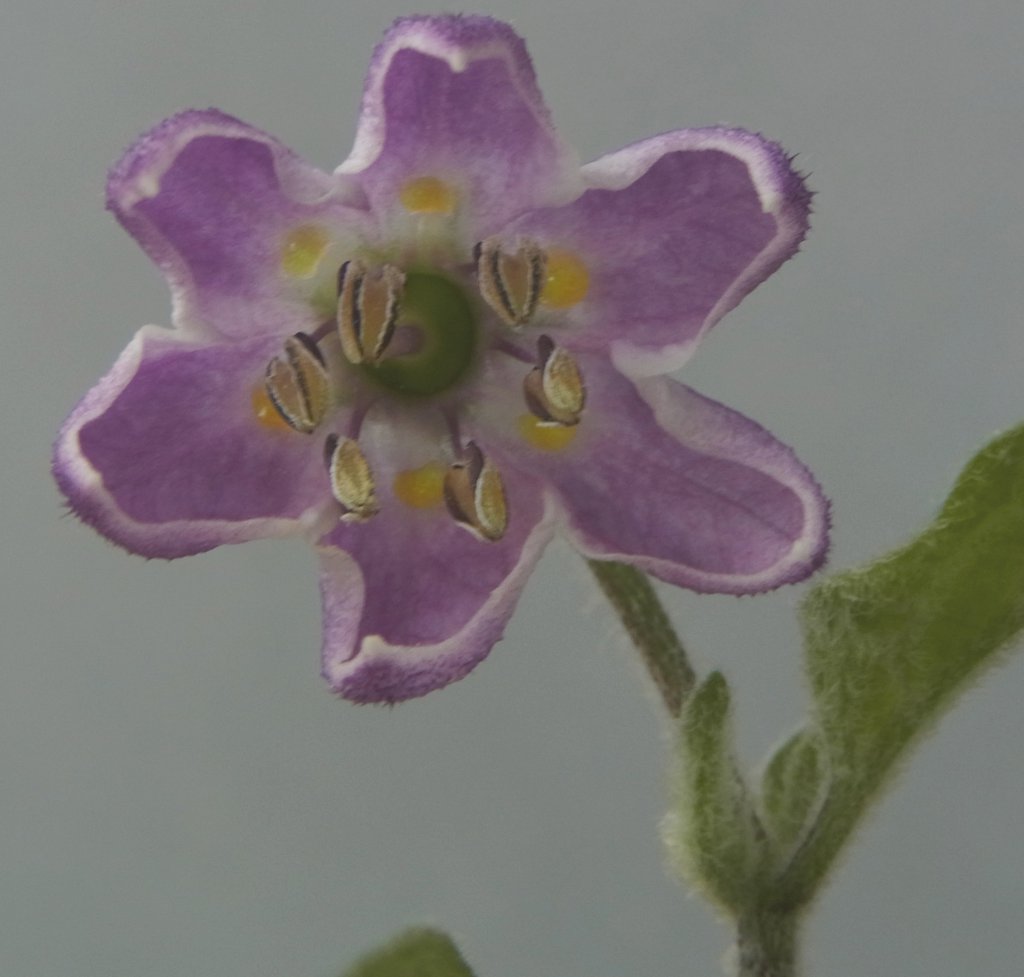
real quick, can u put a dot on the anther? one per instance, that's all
(298, 384)
(475, 495)
(510, 283)
(368, 306)
(554, 388)
(352, 481)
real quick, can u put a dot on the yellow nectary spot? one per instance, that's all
(266, 413)
(303, 248)
(427, 195)
(421, 488)
(547, 437)
(567, 280)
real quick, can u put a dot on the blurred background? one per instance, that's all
(181, 795)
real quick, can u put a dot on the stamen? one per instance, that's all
(298, 384)
(546, 437)
(510, 283)
(368, 306)
(568, 280)
(502, 345)
(352, 481)
(420, 488)
(475, 495)
(427, 195)
(554, 389)
(302, 250)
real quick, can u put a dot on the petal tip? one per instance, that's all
(462, 37)
(370, 658)
(135, 176)
(377, 678)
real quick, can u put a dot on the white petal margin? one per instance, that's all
(140, 172)
(373, 670)
(459, 41)
(782, 194)
(720, 432)
(89, 499)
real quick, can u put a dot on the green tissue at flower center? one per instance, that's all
(435, 341)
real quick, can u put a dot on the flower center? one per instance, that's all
(406, 322)
(434, 342)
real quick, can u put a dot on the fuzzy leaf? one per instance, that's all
(793, 787)
(416, 953)
(712, 832)
(891, 645)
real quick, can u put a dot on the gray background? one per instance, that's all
(180, 795)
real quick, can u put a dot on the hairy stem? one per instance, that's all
(766, 944)
(647, 624)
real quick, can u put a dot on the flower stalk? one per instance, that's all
(766, 944)
(648, 626)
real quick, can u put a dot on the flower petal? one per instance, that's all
(212, 201)
(412, 601)
(675, 231)
(682, 487)
(455, 97)
(166, 458)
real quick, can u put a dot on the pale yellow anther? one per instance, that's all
(567, 282)
(428, 195)
(420, 488)
(352, 481)
(491, 507)
(544, 435)
(510, 282)
(298, 385)
(369, 300)
(302, 250)
(554, 389)
(475, 495)
(563, 383)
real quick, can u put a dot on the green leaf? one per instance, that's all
(793, 788)
(416, 953)
(891, 645)
(712, 832)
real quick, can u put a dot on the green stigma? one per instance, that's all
(437, 326)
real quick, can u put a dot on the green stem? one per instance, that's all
(647, 624)
(766, 944)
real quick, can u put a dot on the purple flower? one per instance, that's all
(431, 360)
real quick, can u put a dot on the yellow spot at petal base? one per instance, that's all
(568, 280)
(427, 195)
(547, 437)
(266, 413)
(303, 248)
(420, 488)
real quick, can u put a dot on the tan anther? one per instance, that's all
(368, 304)
(554, 388)
(352, 481)
(475, 495)
(510, 283)
(298, 384)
